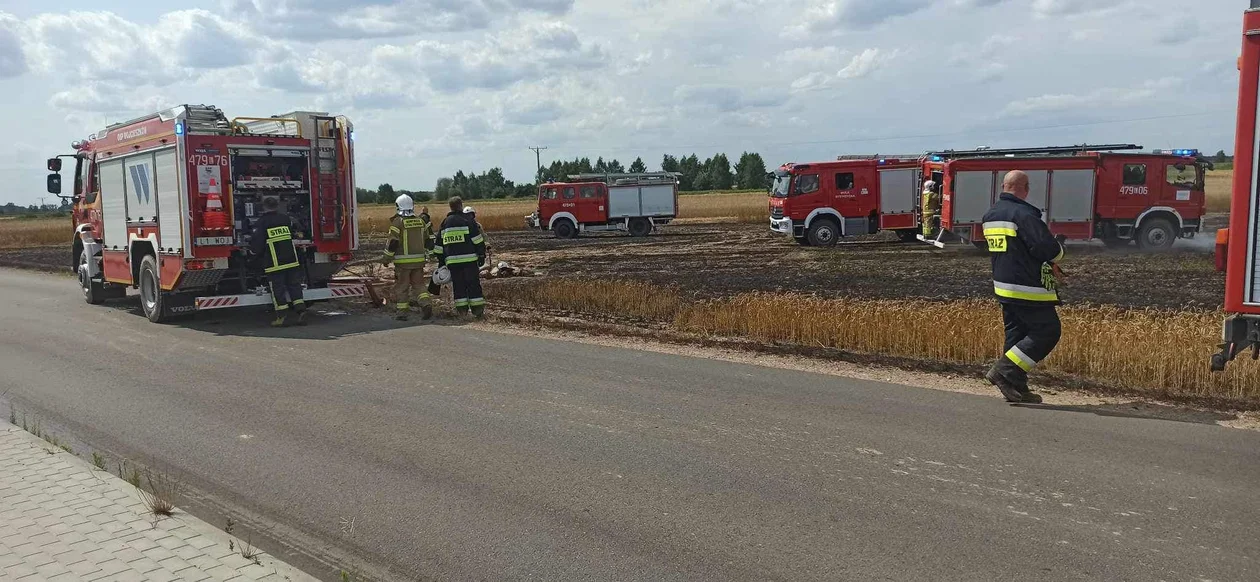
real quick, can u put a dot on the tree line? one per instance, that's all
(713, 173)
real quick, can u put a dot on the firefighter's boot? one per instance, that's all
(404, 312)
(1011, 381)
(280, 321)
(479, 311)
(426, 311)
(301, 316)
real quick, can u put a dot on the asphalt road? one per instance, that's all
(460, 454)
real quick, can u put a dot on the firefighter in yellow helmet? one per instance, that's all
(408, 249)
(931, 209)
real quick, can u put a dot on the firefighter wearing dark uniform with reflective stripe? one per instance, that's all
(461, 248)
(408, 249)
(1024, 254)
(272, 240)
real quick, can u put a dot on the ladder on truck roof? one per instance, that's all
(1043, 151)
(205, 119)
(629, 179)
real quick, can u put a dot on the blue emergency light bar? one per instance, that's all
(179, 128)
(1189, 153)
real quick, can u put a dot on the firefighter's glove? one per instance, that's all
(1047, 277)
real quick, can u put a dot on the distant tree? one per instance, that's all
(690, 168)
(615, 167)
(385, 194)
(444, 189)
(422, 196)
(525, 191)
(719, 173)
(750, 172)
(669, 164)
(1220, 157)
(638, 167)
(364, 196)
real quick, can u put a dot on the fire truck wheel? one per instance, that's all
(639, 227)
(151, 298)
(1156, 235)
(824, 232)
(93, 291)
(564, 229)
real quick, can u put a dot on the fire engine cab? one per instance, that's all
(166, 203)
(1242, 240)
(820, 202)
(635, 203)
(1084, 192)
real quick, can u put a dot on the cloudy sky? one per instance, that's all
(439, 85)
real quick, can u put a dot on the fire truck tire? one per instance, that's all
(802, 240)
(93, 291)
(824, 232)
(639, 227)
(564, 228)
(151, 296)
(1156, 235)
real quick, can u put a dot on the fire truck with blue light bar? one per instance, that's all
(1238, 248)
(1108, 192)
(166, 203)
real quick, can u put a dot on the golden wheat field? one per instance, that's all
(1217, 191)
(16, 233)
(1158, 352)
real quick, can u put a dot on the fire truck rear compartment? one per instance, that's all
(280, 173)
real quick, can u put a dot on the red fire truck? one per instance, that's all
(165, 203)
(1085, 192)
(635, 203)
(1242, 261)
(820, 202)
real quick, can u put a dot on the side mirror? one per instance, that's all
(54, 183)
(54, 165)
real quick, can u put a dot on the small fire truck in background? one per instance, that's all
(820, 202)
(1084, 192)
(1238, 247)
(635, 203)
(166, 203)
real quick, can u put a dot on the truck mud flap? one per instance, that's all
(264, 297)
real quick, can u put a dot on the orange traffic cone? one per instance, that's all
(215, 218)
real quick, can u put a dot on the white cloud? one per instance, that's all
(1053, 8)
(865, 63)
(313, 20)
(12, 55)
(828, 15)
(1099, 99)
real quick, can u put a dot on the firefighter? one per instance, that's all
(272, 240)
(931, 208)
(408, 249)
(462, 249)
(1024, 256)
(473, 213)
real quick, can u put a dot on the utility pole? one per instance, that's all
(538, 158)
(41, 202)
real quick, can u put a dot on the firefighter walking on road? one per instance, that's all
(461, 248)
(408, 249)
(1024, 256)
(272, 240)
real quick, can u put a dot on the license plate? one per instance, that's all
(213, 241)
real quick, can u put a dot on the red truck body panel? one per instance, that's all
(1242, 275)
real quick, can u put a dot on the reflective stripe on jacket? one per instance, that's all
(1022, 252)
(459, 241)
(409, 240)
(273, 240)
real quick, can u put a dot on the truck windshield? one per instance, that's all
(782, 185)
(1184, 176)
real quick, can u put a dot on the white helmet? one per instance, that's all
(442, 276)
(929, 185)
(469, 210)
(406, 206)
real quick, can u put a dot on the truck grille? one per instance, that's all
(776, 212)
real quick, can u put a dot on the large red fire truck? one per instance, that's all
(1242, 262)
(1084, 192)
(817, 203)
(635, 203)
(166, 203)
